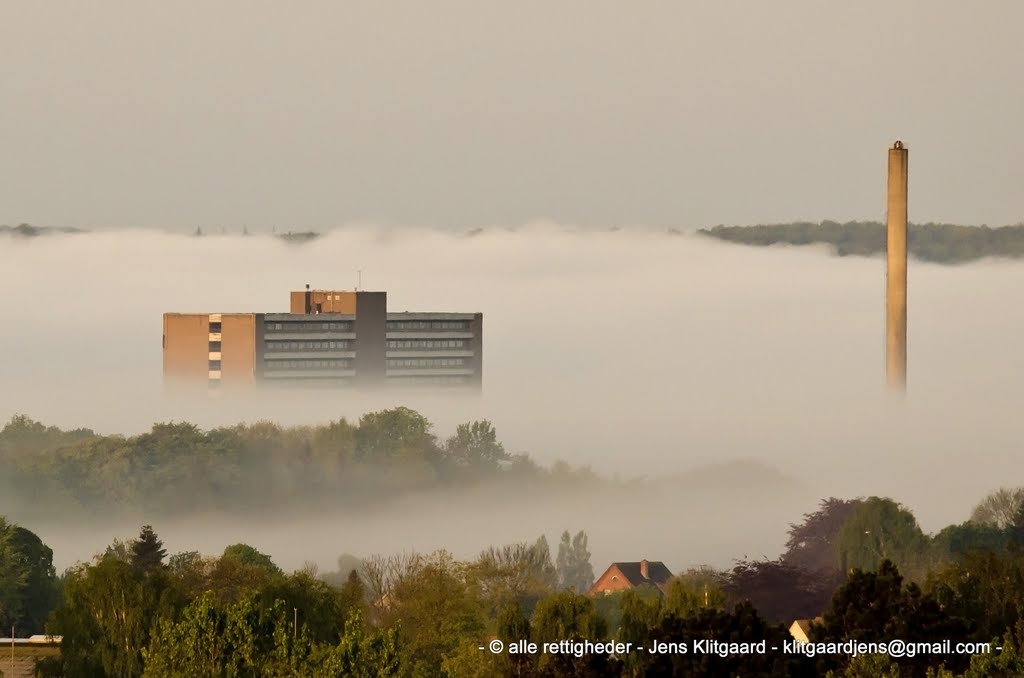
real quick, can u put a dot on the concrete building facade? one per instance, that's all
(330, 338)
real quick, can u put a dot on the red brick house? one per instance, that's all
(621, 576)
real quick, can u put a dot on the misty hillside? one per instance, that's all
(30, 231)
(936, 243)
(177, 468)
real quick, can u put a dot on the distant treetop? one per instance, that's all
(937, 243)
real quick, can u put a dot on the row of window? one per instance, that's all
(214, 347)
(340, 345)
(215, 328)
(426, 362)
(308, 327)
(424, 344)
(214, 365)
(307, 364)
(432, 380)
(457, 325)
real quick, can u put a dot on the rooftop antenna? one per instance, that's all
(359, 279)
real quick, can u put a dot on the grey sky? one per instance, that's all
(308, 115)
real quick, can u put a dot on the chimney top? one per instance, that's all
(643, 569)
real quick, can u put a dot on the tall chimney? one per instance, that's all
(896, 270)
(643, 569)
(309, 300)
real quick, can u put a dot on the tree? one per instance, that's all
(740, 625)
(781, 592)
(1015, 531)
(192, 572)
(514, 627)
(245, 638)
(148, 551)
(318, 606)
(119, 549)
(244, 554)
(13, 578)
(640, 616)
(868, 666)
(999, 509)
(352, 596)
(695, 590)
(942, 243)
(880, 529)
(475, 445)
(28, 581)
(520, 573)
(573, 565)
(347, 564)
(439, 610)
(232, 579)
(954, 541)
(985, 587)
(567, 615)
(814, 544)
(1007, 662)
(875, 606)
(361, 653)
(108, 615)
(394, 434)
(23, 435)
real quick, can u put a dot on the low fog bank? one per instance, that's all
(637, 353)
(685, 522)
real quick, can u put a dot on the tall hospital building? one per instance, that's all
(329, 338)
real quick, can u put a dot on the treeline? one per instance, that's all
(135, 611)
(938, 243)
(177, 468)
(29, 231)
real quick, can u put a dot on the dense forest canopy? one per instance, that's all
(135, 610)
(936, 243)
(178, 469)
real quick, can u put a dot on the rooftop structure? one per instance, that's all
(630, 575)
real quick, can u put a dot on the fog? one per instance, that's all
(742, 384)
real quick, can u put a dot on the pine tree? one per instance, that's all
(573, 565)
(583, 571)
(563, 564)
(148, 551)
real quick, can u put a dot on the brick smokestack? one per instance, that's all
(643, 569)
(896, 270)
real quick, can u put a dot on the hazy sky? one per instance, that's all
(312, 114)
